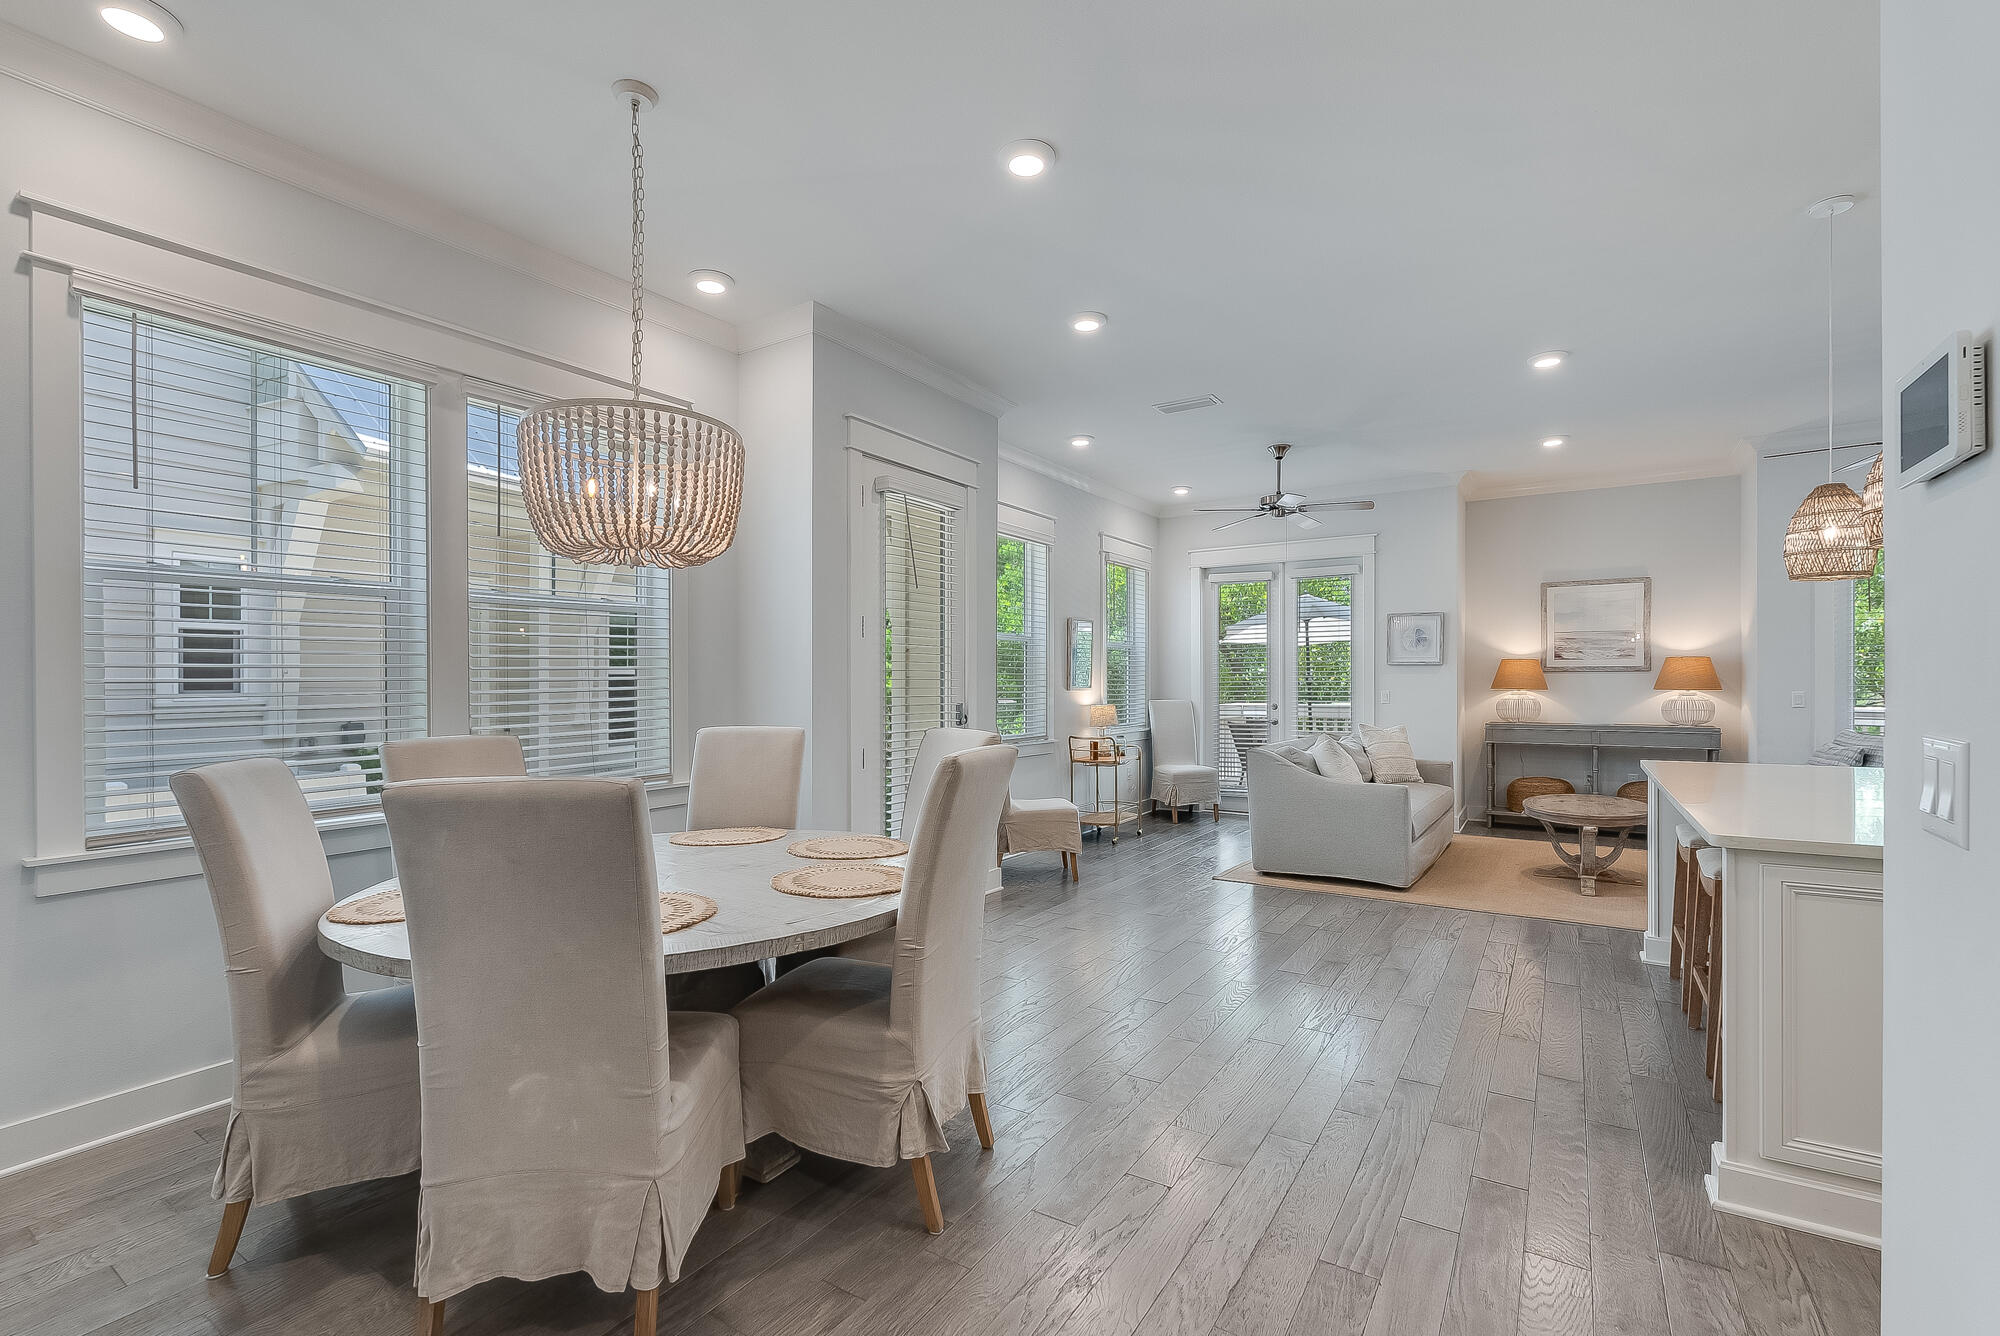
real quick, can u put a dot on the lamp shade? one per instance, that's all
(1692, 672)
(1519, 675)
(1103, 716)
(1871, 504)
(1826, 539)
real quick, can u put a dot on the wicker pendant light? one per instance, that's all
(627, 482)
(1871, 505)
(1827, 538)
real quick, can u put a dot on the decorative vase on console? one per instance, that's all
(1686, 676)
(1519, 677)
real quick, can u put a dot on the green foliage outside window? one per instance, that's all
(1010, 677)
(1870, 696)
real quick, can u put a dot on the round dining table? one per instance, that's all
(751, 922)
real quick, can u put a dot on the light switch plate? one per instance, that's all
(1798, 700)
(1944, 790)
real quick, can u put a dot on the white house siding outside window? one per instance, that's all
(254, 565)
(1021, 641)
(571, 659)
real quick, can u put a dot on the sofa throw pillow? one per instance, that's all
(1334, 762)
(1302, 759)
(1358, 752)
(1389, 752)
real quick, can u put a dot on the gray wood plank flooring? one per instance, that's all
(1221, 1110)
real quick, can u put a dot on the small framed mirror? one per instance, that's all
(1082, 646)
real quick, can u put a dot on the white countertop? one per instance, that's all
(1833, 810)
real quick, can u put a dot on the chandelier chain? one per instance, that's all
(638, 249)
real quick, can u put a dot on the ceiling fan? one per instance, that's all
(1281, 504)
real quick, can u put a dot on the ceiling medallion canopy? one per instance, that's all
(628, 482)
(1828, 536)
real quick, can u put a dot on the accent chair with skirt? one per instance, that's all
(867, 1062)
(745, 775)
(1179, 778)
(326, 1080)
(569, 1123)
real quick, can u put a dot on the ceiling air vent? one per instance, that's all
(1188, 405)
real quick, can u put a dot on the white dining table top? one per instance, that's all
(751, 921)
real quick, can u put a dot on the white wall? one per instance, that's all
(1683, 535)
(1417, 561)
(1076, 589)
(1940, 272)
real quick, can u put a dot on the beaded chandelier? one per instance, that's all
(627, 482)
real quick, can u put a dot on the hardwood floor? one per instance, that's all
(1218, 1109)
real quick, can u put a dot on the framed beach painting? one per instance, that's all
(1597, 626)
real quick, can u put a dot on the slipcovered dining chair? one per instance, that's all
(867, 1062)
(326, 1080)
(569, 1124)
(745, 775)
(937, 744)
(1179, 778)
(496, 754)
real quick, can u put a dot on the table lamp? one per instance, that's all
(1518, 677)
(1103, 717)
(1687, 675)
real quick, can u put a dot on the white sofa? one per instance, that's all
(1304, 824)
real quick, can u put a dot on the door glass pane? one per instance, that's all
(919, 627)
(1242, 674)
(1324, 613)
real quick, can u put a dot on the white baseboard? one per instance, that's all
(1656, 950)
(60, 1132)
(1850, 1214)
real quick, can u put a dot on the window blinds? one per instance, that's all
(1324, 645)
(254, 563)
(573, 660)
(919, 621)
(1125, 642)
(1021, 650)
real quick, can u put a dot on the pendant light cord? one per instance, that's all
(1829, 344)
(639, 249)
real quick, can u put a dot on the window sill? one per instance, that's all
(1042, 747)
(174, 859)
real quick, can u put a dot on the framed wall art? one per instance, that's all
(1597, 626)
(1416, 637)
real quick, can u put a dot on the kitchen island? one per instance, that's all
(1801, 994)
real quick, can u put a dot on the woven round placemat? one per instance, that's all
(702, 839)
(381, 907)
(683, 909)
(839, 881)
(836, 847)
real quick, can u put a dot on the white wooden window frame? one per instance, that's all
(1123, 552)
(73, 255)
(1031, 526)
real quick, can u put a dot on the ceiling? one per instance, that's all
(1352, 223)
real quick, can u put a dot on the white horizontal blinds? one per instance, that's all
(1021, 648)
(1125, 684)
(253, 522)
(1323, 642)
(919, 622)
(573, 660)
(1244, 704)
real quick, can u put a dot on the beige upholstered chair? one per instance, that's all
(1179, 778)
(567, 1126)
(867, 1062)
(745, 775)
(326, 1081)
(1052, 824)
(453, 758)
(937, 744)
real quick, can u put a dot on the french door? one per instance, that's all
(1288, 656)
(913, 562)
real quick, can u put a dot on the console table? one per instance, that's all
(1597, 758)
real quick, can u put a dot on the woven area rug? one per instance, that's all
(1498, 876)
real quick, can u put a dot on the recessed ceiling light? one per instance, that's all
(141, 19)
(1089, 322)
(712, 281)
(1548, 361)
(1553, 442)
(1028, 157)
(1079, 441)
(1182, 491)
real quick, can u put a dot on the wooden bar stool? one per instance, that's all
(1704, 958)
(1685, 844)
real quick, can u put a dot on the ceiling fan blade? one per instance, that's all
(1305, 521)
(1233, 523)
(1339, 505)
(1290, 499)
(1229, 510)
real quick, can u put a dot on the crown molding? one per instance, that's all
(1477, 489)
(68, 74)
(1076, 482)
(876, 346)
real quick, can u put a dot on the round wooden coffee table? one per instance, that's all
(1587, 814)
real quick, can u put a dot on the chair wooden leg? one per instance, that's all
(725, 1188)
(1075, 865)
(1677, 933)
(982, 1122)
(646, 1313)
(1217, 809)
(430, 1317)
(233, 1216)
(1177, 814)
(920, 1169)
